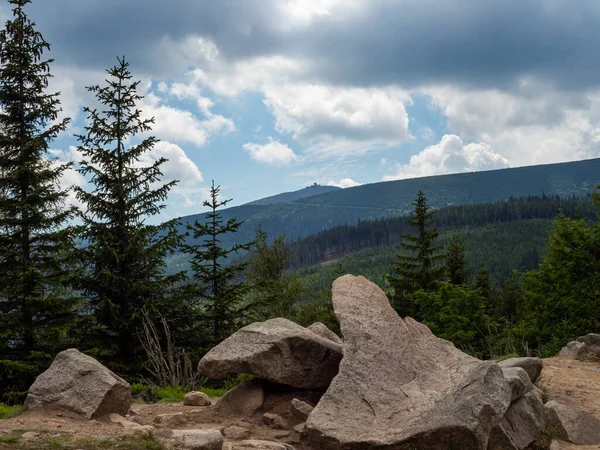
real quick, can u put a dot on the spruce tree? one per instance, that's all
(482, 282)
(416, 268)
(274, 293)
(217, 288)
(35, 243)
(124, 255)
(456, 265)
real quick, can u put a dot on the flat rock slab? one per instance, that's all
(277, 350)
(400, 386)
(198, 439)
(77, 383)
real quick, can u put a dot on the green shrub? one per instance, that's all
(9, 438)
(6, 411)
(171, 394)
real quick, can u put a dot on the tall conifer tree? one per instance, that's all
(456, 263)
(124, 255)
(35, 242)
(216, 289)
(417, 267)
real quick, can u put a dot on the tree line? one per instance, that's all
(534, 313)
(342, 240)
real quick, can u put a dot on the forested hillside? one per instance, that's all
(342, 240)
(313, 214)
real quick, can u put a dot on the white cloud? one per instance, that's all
(329, 121)
(344, 183)
(273, 152)
(534, 125)
(179, 125)
(450, 155)
(340, 120)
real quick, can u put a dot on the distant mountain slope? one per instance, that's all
(393, 198)
(309, 191)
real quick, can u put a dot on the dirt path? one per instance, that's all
(573, 383)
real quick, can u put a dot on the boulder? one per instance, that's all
(237, 433)
(170, 420)
(243, 400)
(321, 330)
(400, 386)
(531, 365)
(198, 439)
(573, 350)
(300, 410)
(522, 425)
(590, 339)
(195, 398)
(577, 427)
(276, 350)
(518, 380)
(78, 383)
(582, 346)
(257, 444)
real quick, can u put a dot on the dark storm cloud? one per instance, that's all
(472, 42)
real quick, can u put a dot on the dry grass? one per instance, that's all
(66, 442)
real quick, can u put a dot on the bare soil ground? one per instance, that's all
(574, 383)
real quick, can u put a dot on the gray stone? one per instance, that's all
(321, 330)
(195, 398)
(518, 380)
(300, 410)
(268, 418)
(276, 350)
(237, 433)
(176, 419)
(555, 445)
(573, 349)
(533, 366)
(198, 439)
(398, 385)
(257, 444)
(591, 339)
(523, 423)
(78, 383)
(244, 399)
(577, 427)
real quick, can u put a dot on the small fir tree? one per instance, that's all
(124, 255)
(216, 287)
(274, 294)
(456, 265)
(417, 268)
(35, 243)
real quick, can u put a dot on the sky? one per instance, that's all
(268, 96)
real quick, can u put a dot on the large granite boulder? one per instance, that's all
(79, 384)
(399, 386)
(571, 425)
(276, 350)
(531, 365)
(523, 423)
(583, 346)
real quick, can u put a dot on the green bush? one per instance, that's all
(6, 411)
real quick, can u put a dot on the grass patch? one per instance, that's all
(9, 438)
(170, 394)
(6, 411)
(66, 442)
